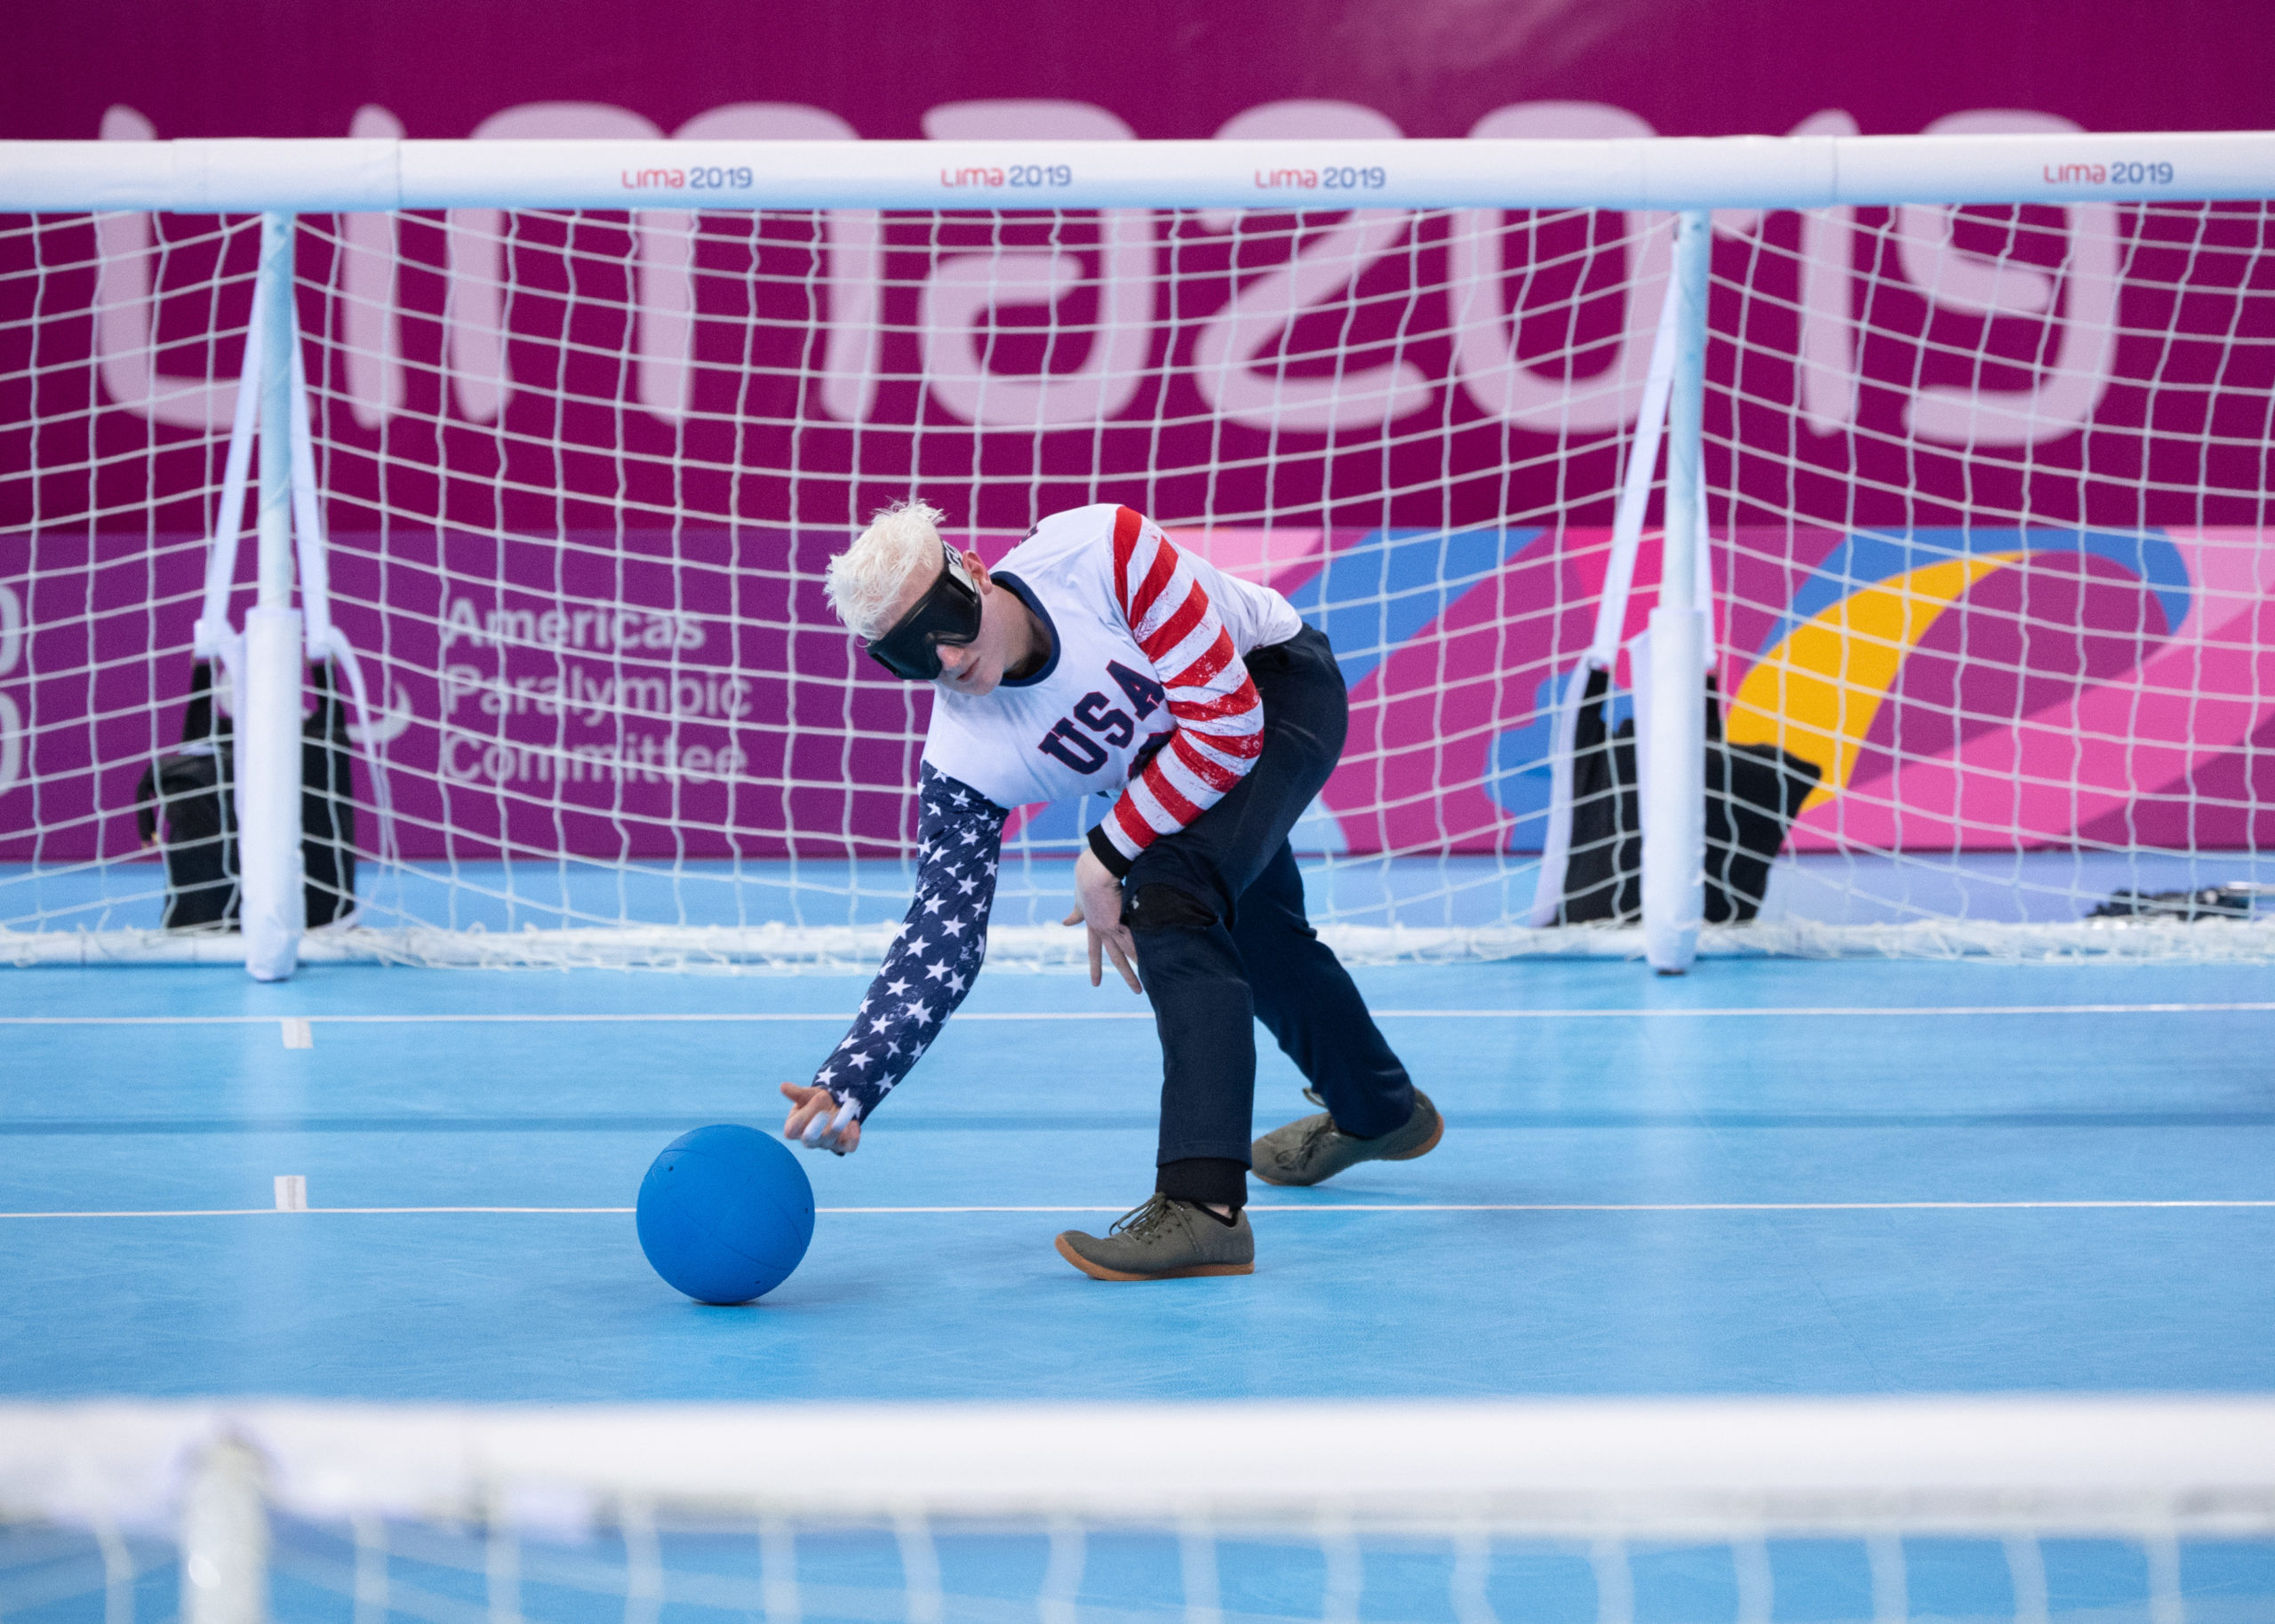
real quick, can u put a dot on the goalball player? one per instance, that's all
(1099, 658)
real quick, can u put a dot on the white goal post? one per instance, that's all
(2096, 269)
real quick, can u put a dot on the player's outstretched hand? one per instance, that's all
(816, 1121)
(1097, 904)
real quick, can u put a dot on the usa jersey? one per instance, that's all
(1145, 677)
(1146, 665)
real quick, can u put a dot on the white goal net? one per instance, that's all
(1640, 1512)
(1978, 493)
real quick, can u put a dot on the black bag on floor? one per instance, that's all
(1603, 877)
(186, 804)
(1753, 792)
(328, 803)
(186, 797)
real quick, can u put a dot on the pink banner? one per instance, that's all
(581, 525)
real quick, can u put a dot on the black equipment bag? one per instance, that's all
(1754, 794)
(187, 797)
(1603, 877)
(328, 803)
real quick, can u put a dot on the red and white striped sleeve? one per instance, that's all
(1219, 719)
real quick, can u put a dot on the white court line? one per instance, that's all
(1775, 1011)
(1344, 1206)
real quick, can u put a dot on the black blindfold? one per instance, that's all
(947, 613)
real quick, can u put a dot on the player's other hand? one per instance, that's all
(816, 1121)
(1097, 904)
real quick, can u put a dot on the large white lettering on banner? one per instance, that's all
(965, 289)
(126, 315)
(1485, 349)
(969, 299)
(2075, 355)
(1323, 264)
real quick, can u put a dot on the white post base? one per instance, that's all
(225, 1539)
(1672, 766)
(273, 902)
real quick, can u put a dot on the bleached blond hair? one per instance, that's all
(867, 579)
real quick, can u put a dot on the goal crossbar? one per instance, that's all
(324, 176)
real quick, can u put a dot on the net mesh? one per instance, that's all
(1986, 486)
(1990, 496)
(926, 1572)
(571, 1515)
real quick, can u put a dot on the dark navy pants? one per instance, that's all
(1217, 912)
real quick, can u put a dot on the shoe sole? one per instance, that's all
(1423, 1149)
(1099, 1271)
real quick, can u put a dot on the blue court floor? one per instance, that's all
(1766, 1177)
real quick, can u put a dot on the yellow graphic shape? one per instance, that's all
(1815, 693)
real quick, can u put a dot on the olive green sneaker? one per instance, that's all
(1164, 1240)
(1313, 1148)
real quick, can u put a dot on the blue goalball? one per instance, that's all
(725, 1214)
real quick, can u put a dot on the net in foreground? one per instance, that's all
(1624, 1512)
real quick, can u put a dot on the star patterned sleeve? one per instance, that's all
(938, 947)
